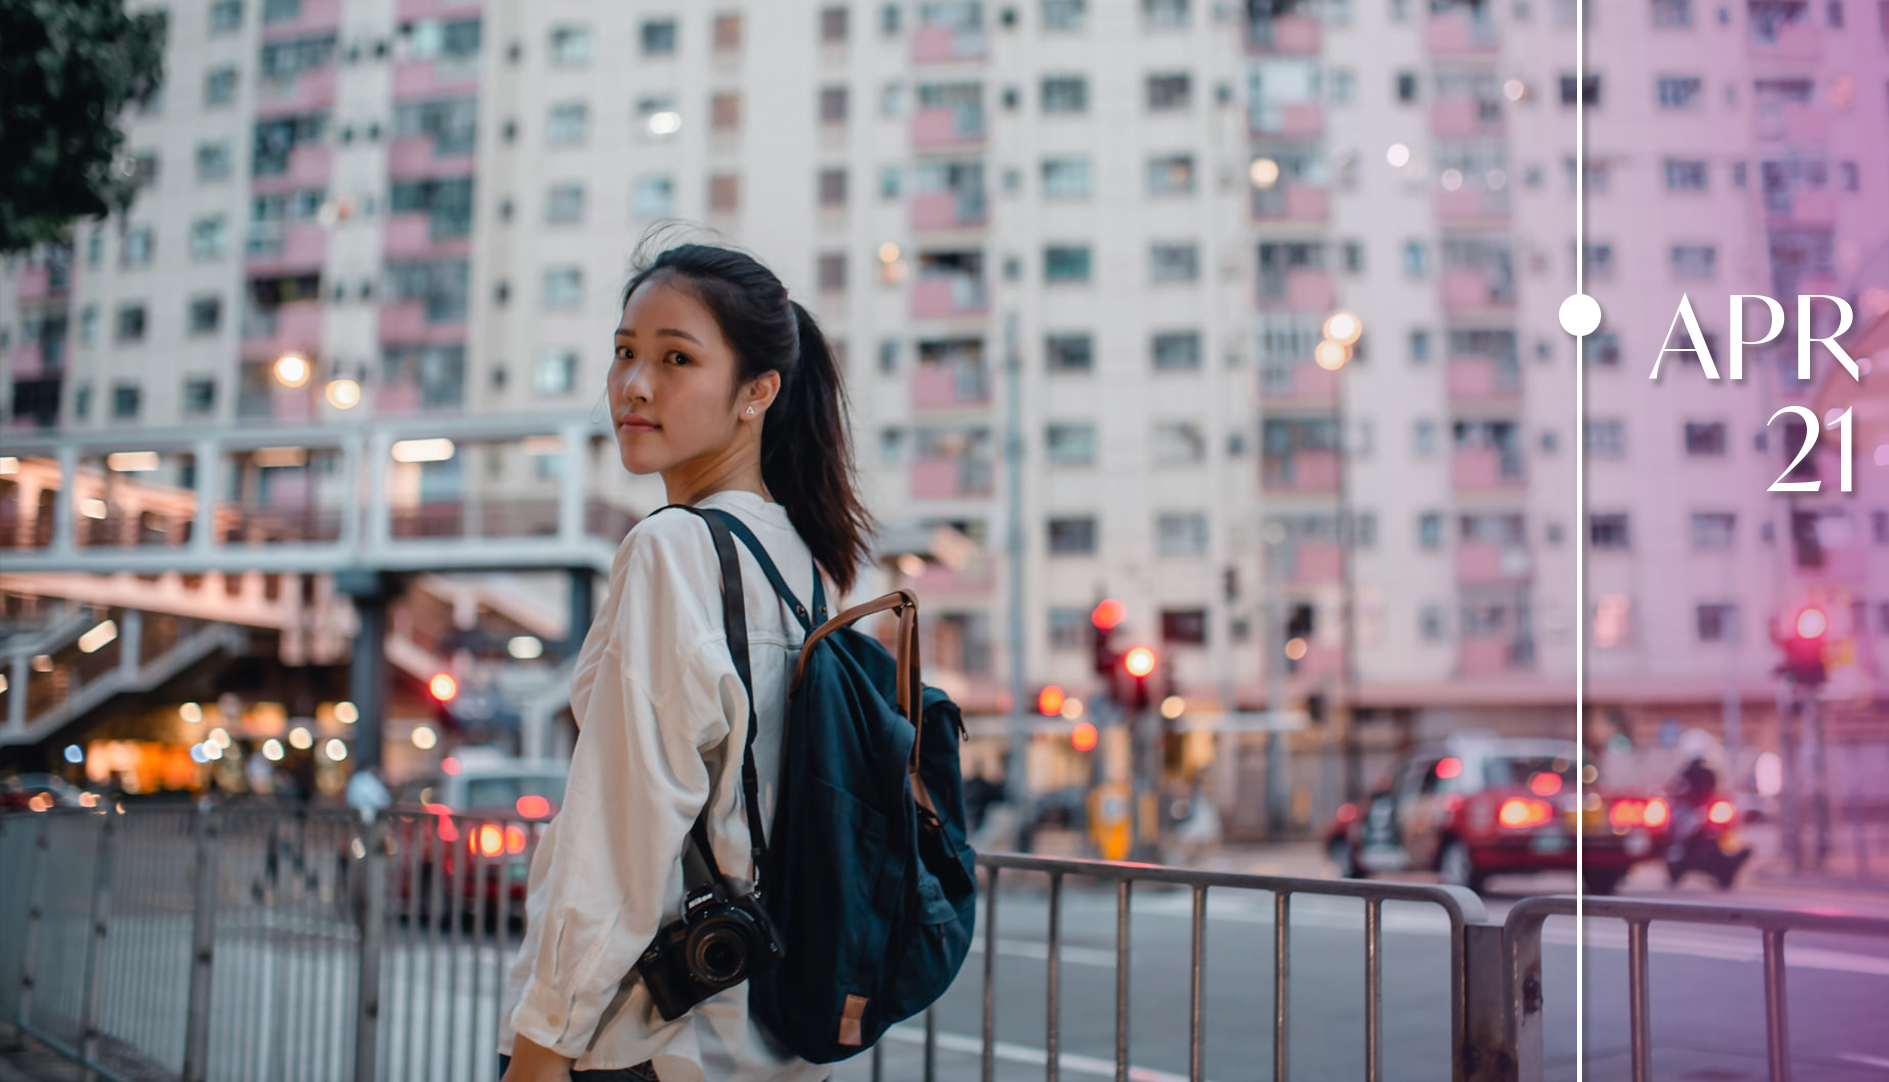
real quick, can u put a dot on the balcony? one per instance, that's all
(1469, 206)
(286, 328)
(1302, 472)
(950, 386)
(1314, 563)
(1494, 655)
(419, 236)
(947, 127)
(949, 210)
(945, 44)
(1483, 379)
(309, 16)
(1292, 202)
(1783, 30)
(1298, 384)
(975, 577)
(407, 322)
(306, 92)
(421, 158)
(1486, 470)
(307, 166)
(280, 248)
(949, 297)
(1792, 122)
(1469, 289)
(1301, 289)
(1806, 208)
(1319, 660)
(425, 78)
(1460, 33)
(1483, 563)
(1465, 117)
(951, 478)
(1298, 119)
(39, 282)
(1283, 35)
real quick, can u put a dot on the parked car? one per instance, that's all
(42, 792)
(1469, 807)
(486, 812)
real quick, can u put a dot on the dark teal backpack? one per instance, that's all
(868, 873)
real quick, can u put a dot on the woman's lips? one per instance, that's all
(637, 426)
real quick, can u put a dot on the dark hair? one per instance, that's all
(806, 460)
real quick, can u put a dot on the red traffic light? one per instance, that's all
(1049, 701)
(1811, 623)
(1108, 613)
(443, 687)
(1083, 736)
(1138, 661)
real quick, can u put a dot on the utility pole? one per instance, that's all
(1273, 535)
(1016, 768)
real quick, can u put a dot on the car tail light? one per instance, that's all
(1721, 812)
(446, 831)
(1627, 813)
(1656, 812)
(532, 806)
(1546, 783)
(488, 839)
(1518, 813)
(514, 838)
(1347, 812)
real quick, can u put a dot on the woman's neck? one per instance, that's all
(691, 487)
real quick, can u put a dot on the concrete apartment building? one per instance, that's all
(1151, 208)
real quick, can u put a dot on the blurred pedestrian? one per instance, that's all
(366, 793)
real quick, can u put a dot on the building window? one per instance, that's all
(556, 373)
(1705, 438)
(139, 241)
(1070, 444)
(833, 26)
(832, 272)
(653, 197)
(1430, 530)
(1065, 94)
(891, 180)
(82, 401)
(1672, 12)
(564, 203)
(199, 396)
(1606, 439)
(1430, 623)
(1177, 261)
(1176, 351)
(206, 314)
(1601, 349)
(1066, 177)
(833, 188)
(563, 287)
(1423, 438)
(728, 32)
(215, 161)
(724, 112)
(724, 193)
(1184, 627)
(1416, 258)
(219, 86)
(88, 328)
(1066, 263)
(1164, 12)
(1182, 533)
(659, 37)
(1717, 622)
(1171, 174)
(1713, 529)
(125, 401)
(1068, 628)
(1590, 90)
(1608, 531)
(1064, 14)
(1694, 260)
(210, 238)
(1598, 260)
(1419, 347)
(1179, 443)
(226, 16)
(657, 117)
(1168, 91)
(1069, 352)
(833, 104)
(1072, 536)
(1685, 175)
(569, 125)
(1406, 86)
(570, 46)
(1680, 91)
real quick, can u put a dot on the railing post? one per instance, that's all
(202, 949)
(1522, 975)
(95, 946)
(1484, 1054)
(35, 908)
(373, 934)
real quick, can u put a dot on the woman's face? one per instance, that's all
(672, 382)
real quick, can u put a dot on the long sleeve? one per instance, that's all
(656, 701)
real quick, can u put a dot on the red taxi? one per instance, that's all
(1469, 807)
(474, 825)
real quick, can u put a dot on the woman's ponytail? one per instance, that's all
(806, 453)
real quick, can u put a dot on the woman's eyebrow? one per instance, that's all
(625, 332)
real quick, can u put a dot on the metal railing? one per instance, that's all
(247, 940)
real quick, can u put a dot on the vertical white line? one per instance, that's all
(1580, 548)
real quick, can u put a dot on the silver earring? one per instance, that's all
(750, 411)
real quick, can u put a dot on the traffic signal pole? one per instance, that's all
(1016, 767)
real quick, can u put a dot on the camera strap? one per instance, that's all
(735, 628)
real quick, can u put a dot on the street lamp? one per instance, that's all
(1342, 331)
(292, 370)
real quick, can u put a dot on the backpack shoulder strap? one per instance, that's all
(740, 529)
(735, 629)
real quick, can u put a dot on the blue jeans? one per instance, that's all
(642, 1072)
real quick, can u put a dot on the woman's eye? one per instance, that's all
(623, 353)
(679, 357)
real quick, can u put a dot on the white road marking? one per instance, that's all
(910, 1033)
(1867, 1061)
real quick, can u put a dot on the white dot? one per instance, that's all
(1580, 315)
(1882, 455)
(1398, 155)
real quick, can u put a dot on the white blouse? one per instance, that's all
(661, 718)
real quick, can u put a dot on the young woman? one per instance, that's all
(727, 389)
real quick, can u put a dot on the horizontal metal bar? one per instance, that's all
(1738, 916)
(336, 434)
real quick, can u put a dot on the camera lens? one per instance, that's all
(720, 954)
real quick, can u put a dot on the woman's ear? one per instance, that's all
(761, 394)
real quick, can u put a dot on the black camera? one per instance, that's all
(722, 939)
